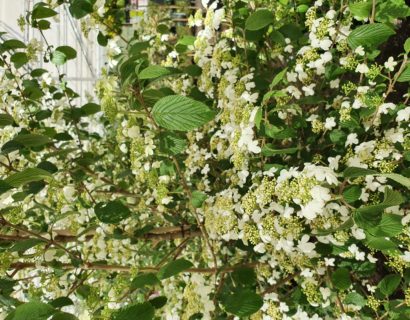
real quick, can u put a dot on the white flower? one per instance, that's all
(362, 68)
(334, 84)
(384, 108)
(390, 64)
(403, 115)
(246, 140)
(330, 123)
(69, 192)
(329, 262)
(260, 248)
(354, 249)
(305, 246)
(251, 98)
(292, 76)
(312, 209)
(351, 139)
(359, 50)
(309, 89)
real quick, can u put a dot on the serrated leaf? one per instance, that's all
(356, 299)
(380, 243)
(171, 143)
(173, 268)
(32, 311)
(24, 245)
(267, 150)
(6, 120)
(19, 59)
(341, 279)
(352, 193)
(32, 140)
(278, 78)
(13, 44)
(26, 176)
(181, 113)
(407, 45)
(198, 198)
(361, 9)
(369, 35)
(112, 211)
(389, 226)
(141, 311)
(243, 303)
(142, 280)
(405, 75)
(389, 284)
(354, 172)
(259, 20)
(154, 71)
(90, 108)
(62, 54)
(41, 11)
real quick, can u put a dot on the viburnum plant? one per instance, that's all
(254, 165)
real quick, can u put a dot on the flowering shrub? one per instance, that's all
(255, 169)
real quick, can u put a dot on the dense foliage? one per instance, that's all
(253, 165)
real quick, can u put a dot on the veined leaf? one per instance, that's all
(243, 303)
(173, 268)
(361, 9)
(154, 71)
(140, 311)
(26, 176)
(6, 120)
(389, 284)
(259, 19)
(369, 35)
(181, 113)
(32, 140)
(405, 75)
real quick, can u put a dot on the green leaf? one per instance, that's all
(173, 268)
(380, 243)
(243, 303)
(407, 45)
(41, 11)
(398, 178)
(259, 19)
(198, 198)
(267, 150)
(278, 78)
(158, 302)
(171, 143)
(391, 198)
(389, 284)
(32, 311)
(352, 193)
(145, 279)
(102, 39)
(181, 113)
(390, 10)
(90, 108)
(369, 35)
(6, 120)
(389, 226)
(32, 140)
(354, 172)
(111, 212)
(62, 302)
(356, 299)
(13, 44)
(62, 54)
(341, 279)
(19, 59)
(80, 8)
(154, 71)
(361, 9)
(24, 245)
(26, 176)
(405, 75)
(141, 311)
(63, 316)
